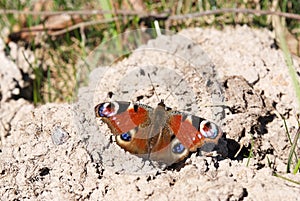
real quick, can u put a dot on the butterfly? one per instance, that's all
(158, 134)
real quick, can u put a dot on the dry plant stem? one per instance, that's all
(82, 25)
(142, 14)
(235, 10)
(158, 15)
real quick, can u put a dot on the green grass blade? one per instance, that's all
(292, 151)
(287, 179)
(296, 169)
(106, 6)
(279, 30)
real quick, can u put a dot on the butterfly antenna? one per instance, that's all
(174, 88)
(153, 87)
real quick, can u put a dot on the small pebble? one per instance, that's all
(59, 135)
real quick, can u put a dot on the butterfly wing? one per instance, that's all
(193, 131)
(180, 134)
(167, 148)
(129, 122)
(160, 134)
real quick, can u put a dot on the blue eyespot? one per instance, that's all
(108, 109)
(209, 129)
(126, 137)
(100, 111)
(178, 148)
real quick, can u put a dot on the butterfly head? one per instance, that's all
(162, 104)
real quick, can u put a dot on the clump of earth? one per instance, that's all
(235, 77)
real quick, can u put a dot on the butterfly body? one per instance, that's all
(159, 134)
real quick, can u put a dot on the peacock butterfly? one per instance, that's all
(159, 134)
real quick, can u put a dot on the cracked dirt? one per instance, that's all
(61, 151)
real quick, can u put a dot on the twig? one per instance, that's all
(235, 10)
(82, 12)
(155, 15)
(83, 24)
(117, 13)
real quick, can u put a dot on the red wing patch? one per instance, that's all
(186, 133)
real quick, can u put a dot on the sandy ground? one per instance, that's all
(235, 77)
